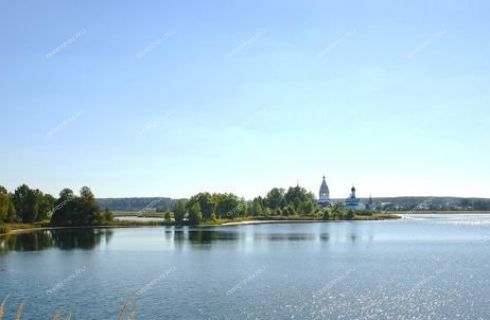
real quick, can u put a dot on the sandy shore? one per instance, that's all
(268, 222)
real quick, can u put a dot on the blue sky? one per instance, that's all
(169, 98)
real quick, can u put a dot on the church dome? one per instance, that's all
(324, 191)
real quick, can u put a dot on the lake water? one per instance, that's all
(140, 219)
(419, 267)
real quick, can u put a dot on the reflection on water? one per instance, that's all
(411, 227)
(138, 219)
(86, 239)
(428, 267)
(62, 239)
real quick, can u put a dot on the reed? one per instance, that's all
(19, 312)
(2, 307)
(59, 313)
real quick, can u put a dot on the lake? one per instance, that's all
(419, 267)
(138, 219)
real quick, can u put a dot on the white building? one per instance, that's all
(324, 194)
(352, 202)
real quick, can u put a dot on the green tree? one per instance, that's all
(25, 201)
(180, 211)
(78, 211)
(309, 207)
(167, 217)
(107, 215)
(226, 205)
(257, 208)
(4, 204)
(195, 214)
(338, 211)
(45, 205)
(349, 215)
(241, 208)
(275, 198)
(325, 213)
(206, 202)
(11, 213)
(300, 198)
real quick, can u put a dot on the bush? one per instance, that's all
(4, 229)
(349, 215)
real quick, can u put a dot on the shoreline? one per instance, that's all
(253, 221)
(441, 212)
(27, 230)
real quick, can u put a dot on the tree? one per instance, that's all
(325, 214)
(11, 213)
(349, 215)
(195, 214)
(226, 204)
(167, 217)
(25, 201)
(87, 194)
(45, 205)
(206, 202)
(79, 211)
(257, 207)
(299, 197)
(241, 208)
(4, 204)
(107, 215)
(289, 211)
(179, 211)
(338, 211)
(275, 198)
(309, 207)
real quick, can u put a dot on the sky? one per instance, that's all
(170, 98)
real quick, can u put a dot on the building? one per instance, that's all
(370, 205)
(352, 202)
(324, 195)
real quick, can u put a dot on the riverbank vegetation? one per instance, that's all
(27, 208)
(126, 311)
(294, 204)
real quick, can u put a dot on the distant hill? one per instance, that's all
(146, 204)
(430, 203)
(152, 204)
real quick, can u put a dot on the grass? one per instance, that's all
(9, 227)
(218, 222)
(59, 313)
(19, 227)
(381, 216)
(138, 214)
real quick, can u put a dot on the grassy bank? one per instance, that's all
(382, 216)
(9, 228)
(138, 214)
(286, 219)
(12, 227)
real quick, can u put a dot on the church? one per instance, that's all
(324, 195)
(353, 202)
(350, 203)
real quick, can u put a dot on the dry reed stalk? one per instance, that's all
(19, 312)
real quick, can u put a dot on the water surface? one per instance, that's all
(420, 267)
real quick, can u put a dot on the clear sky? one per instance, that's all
(169, 98)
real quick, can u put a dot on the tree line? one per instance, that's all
(296, 201)
(26, 205)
